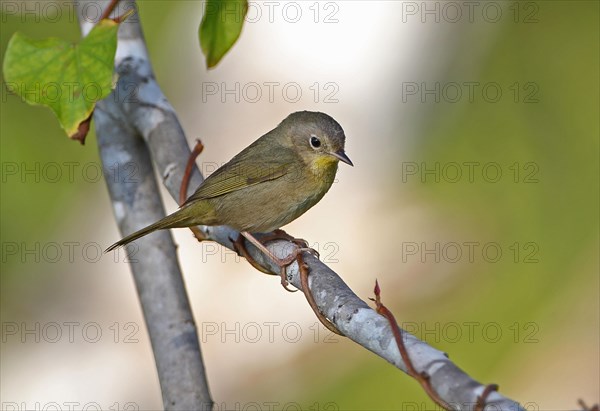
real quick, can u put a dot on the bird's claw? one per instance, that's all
(282, 263)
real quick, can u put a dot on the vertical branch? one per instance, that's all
(136, 203)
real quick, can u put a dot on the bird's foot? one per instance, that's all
(283, 263)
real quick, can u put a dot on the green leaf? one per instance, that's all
(220, 28)
(68, 78)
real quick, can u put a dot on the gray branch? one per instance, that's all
(135, 114)
(157, 273)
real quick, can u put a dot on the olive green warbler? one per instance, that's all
(268, 184)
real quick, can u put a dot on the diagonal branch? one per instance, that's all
(357, 321)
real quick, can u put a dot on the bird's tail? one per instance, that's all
(180, 218)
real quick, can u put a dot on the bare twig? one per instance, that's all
(481, 400)
(185, 182)
(422, 378)
(585, 407)
(304, 273)
(109, 9)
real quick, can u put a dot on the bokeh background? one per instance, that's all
(498, 270)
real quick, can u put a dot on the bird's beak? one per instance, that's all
(341, 155)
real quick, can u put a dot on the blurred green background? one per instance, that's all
(527, 319)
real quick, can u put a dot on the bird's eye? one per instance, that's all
(315, 142)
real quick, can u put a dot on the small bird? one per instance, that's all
(267, 185)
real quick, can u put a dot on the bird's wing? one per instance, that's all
(238, 176)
